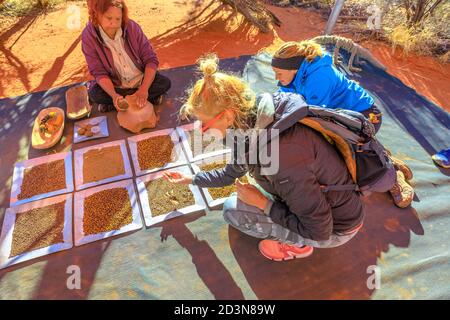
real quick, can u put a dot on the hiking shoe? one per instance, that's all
(400, 165)
(402, 192)
(105, 107)
(279, 251)
(158, 100)
(442, 158)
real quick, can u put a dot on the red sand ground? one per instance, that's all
(39, 53)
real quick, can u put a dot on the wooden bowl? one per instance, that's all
(46, 140)
(77, 101)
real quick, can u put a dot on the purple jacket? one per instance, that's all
(99, 58)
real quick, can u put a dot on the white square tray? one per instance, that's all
(136, 224)
(178, 151)
(143, 195)
(102, 123)
(19, 170)
(217, 203)
(184, 133)
(9, 221)
(79, 165)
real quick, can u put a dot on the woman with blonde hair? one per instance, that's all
(306, 69)
(299, 216)
(120, 57)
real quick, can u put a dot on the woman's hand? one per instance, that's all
(177, 177)
(250, 195)
(116, 99)
(141, 97)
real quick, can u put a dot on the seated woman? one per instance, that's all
(304, 68)
(120, 57)
(300, 216)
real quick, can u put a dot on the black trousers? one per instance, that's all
(161, 84)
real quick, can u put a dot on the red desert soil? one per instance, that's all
(38, 53)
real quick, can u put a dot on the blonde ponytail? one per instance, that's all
(218, 91)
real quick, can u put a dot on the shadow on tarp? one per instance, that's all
(208, 266)
(16, 121)
(338, 273)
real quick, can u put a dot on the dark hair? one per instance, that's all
(97, 7)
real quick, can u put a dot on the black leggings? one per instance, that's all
(374, 109)
(161, 84)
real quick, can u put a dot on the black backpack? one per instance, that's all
(353, 135)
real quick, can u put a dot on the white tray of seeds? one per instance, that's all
(162, 200)
(40, 178)
(36, 229)
(155, 151)
(89, 129)
(101, 163)
(106, 211)
(215, 197)
(198, 146)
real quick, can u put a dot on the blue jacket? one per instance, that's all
(306, 160)
(321, 84)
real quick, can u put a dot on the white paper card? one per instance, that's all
(146, 208)
(212, 203)
(98, 122)
(177, 151)
(79, 155)
(136, 224)
(19, 170)
(6, 238)
(210, 151)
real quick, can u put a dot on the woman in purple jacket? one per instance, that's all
(119, 57)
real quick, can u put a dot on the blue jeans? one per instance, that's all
(252, 221)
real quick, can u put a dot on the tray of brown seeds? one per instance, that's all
(101, 163)
(36, 229)
(199, 146)
(41, 178)
(215, 197)
(106, 211)
(156, 151)
(162, 200)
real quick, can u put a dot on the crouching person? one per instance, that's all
(299, 216)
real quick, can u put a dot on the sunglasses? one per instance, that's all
(208, 124)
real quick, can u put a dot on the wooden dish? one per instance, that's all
(46, 140)
(77, 101)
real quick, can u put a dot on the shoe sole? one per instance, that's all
(290, 257)
(406, 171)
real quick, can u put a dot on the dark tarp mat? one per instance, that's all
(201, 257)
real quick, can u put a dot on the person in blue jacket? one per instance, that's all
(306, 69)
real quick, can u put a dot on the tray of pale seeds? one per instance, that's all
(105, 211)
(40, 178)
(101, 163)
(36, 229)
(162, 200)
(215, 197)
(198, 146)
(154, 151)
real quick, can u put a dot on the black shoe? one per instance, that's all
(105, 107)
(158, 100)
